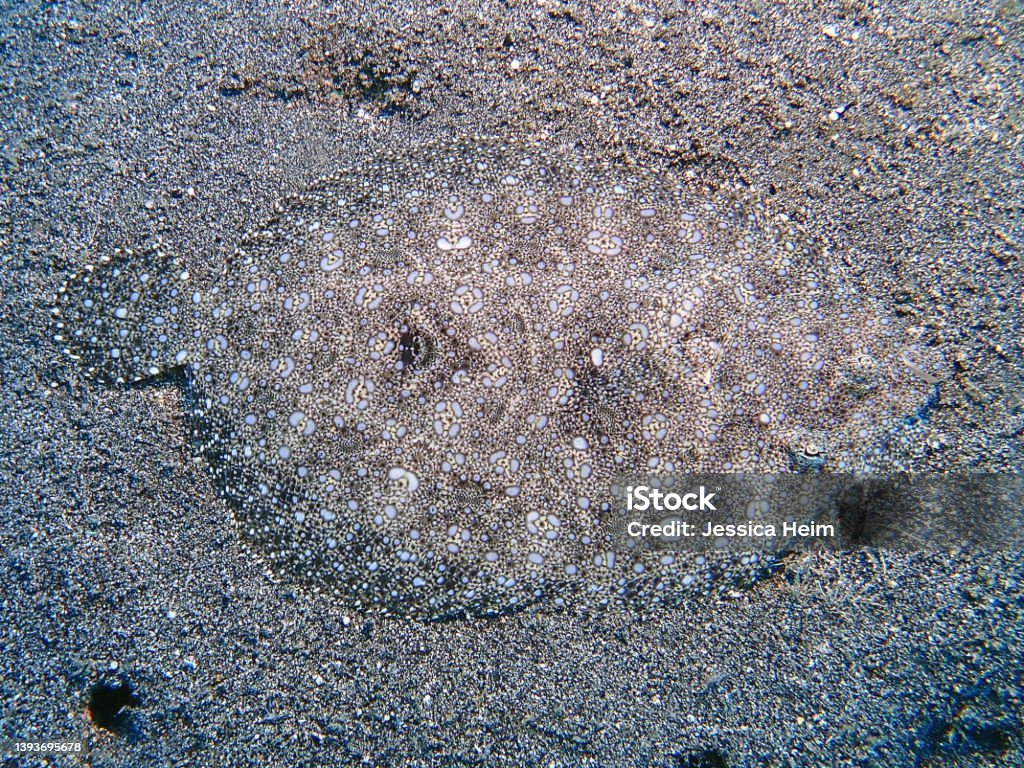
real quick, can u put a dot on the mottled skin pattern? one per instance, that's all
(415, 383)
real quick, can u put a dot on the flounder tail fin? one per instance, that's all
(122, 318)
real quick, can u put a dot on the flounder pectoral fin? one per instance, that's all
(124, 318)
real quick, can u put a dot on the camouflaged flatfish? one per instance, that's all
(415, 382)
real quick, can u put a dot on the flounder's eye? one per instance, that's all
(859, 374)
(808, 450)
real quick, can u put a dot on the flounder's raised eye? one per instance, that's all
(808, 450)
(860, 374)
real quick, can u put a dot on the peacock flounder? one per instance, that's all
(416, 381)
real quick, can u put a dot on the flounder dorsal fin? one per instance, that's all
(122, 318)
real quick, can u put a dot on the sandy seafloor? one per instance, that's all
(892, 132)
